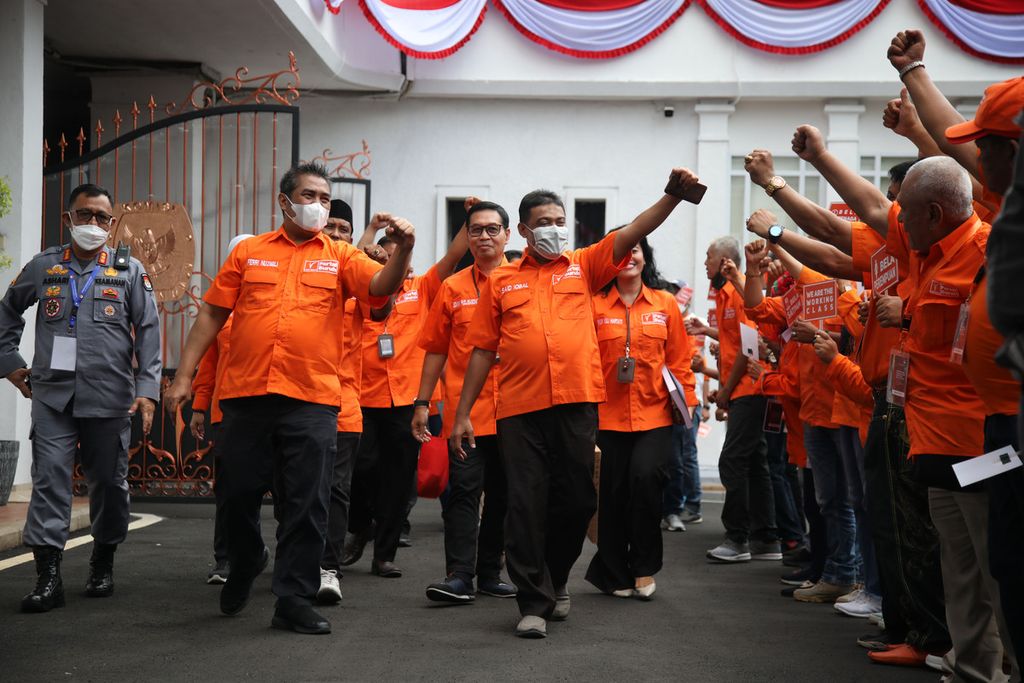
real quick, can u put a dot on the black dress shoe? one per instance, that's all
(234, 596)
(299, 618)
(49, 590)
(354, 545)
(388, 570)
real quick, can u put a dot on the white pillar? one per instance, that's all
(843, 137)
(713, 164)
(21, 163)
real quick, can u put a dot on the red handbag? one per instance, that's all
(432, 472)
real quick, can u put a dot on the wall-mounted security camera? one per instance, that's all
(669, 112)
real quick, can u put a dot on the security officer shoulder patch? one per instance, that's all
(52, 308)
(146, 282)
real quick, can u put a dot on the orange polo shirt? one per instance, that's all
(288, 300)
(350, 371)
(872, 352)
(784, 384)
(538, 318)
(996, 387)
(210, 373)
(731, 314)
(657, 339)
(944, 414)
(848, 380)
(395, 381)
(445, 332)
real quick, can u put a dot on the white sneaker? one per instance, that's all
(851, 596)
(672, 523)
(330, 588)
(937, 662)
(862, 607)
(562, 604)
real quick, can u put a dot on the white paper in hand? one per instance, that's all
(748, 342)
(987, 466)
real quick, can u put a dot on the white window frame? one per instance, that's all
(610, 196)
(444, 193)
(803, 172)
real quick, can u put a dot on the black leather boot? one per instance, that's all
(101, 571)
(49, 591)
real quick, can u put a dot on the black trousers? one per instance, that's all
(282, 444)
(385, 464)
(220, 534)
(749, 510)
(906, 542)
(1006, 531)
(475, 542)
(549, 464)
(337, 515)
(634, 470)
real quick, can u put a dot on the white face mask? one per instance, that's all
(88, 236)
(550, 240)
(310, 217)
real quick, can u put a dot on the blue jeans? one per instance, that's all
(787, 519)
(830, 490)
(682, 490)
(853, 465)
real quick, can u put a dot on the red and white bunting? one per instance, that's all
(596, 29)
(792, 27)
(426, 29)
(990, 29)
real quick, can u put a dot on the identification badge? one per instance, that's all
(773, 416)
(65, 353)
(956, 355)
(385, 346)
(987, 466)
(899, 370)
(626, 367)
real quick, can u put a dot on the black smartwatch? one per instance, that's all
(775, 233)
(418, 403)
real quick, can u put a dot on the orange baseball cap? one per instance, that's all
(996, 114)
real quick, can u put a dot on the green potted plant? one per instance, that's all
(8, 449)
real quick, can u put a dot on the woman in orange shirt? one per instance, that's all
(639, 331)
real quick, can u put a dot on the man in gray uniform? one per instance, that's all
(83, 386)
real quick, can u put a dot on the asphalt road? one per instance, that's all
(706, 623)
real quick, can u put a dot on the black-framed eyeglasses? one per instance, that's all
(84, 216)
(493, 230)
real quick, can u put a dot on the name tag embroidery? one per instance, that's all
(729, 314)
(513, 287)
(654, 319)
(944, 290)
(459, 303)
(260, 263)
(610, 321)
(328, 266)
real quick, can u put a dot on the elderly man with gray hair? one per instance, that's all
(749, 512)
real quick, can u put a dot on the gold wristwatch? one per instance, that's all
(776, 183)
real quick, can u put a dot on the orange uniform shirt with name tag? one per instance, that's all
(445, 332)
(872, 353)
(205, 385)
(656, 339)
(394, 381)
(350, 372)
(288, 300)
(945, 416)
(731, 314)
(996, 387)
(537, 317)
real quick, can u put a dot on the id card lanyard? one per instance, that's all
(899, 359)
(956, 354)
(626, 368)
(78, 295)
